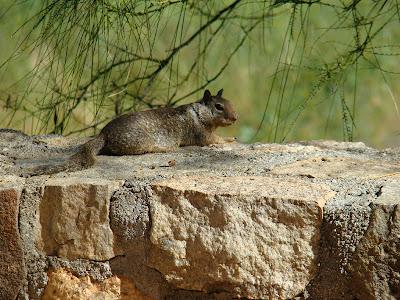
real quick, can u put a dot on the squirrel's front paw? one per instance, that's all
(216, 146)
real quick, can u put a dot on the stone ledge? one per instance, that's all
(315, 220)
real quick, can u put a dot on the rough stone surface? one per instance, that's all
(12, 266)
(240, 235)
(346, 219)
(74, 215)
(64, 285)
(158, 233)
(375, 265)
(130, 222)
(29, 227)
(337, 167)
(97, 271)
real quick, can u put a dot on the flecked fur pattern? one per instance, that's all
(157, 130)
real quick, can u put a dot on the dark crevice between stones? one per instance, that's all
(379, 191)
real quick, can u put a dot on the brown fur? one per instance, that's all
(158, 130)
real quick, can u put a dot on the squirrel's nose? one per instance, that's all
(234, 117)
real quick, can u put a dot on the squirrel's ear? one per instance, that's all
(207, 96)
(219, 94)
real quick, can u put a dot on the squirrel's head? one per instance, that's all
(221, 109)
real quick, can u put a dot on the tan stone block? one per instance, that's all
(64, 285)
(254, 237)
(74, 215)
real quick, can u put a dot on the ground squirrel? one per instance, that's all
(156, 130)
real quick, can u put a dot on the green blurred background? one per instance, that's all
(292, 78)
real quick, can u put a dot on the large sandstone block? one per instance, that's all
(12, 267)
(74, 215)
(254, 237)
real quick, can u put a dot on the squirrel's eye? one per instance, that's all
(219, 106)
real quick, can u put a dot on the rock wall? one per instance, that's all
(316, 220)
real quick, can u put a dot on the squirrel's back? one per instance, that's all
(145, 131)
(165, 129)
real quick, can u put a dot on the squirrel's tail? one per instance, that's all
(84, 158)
